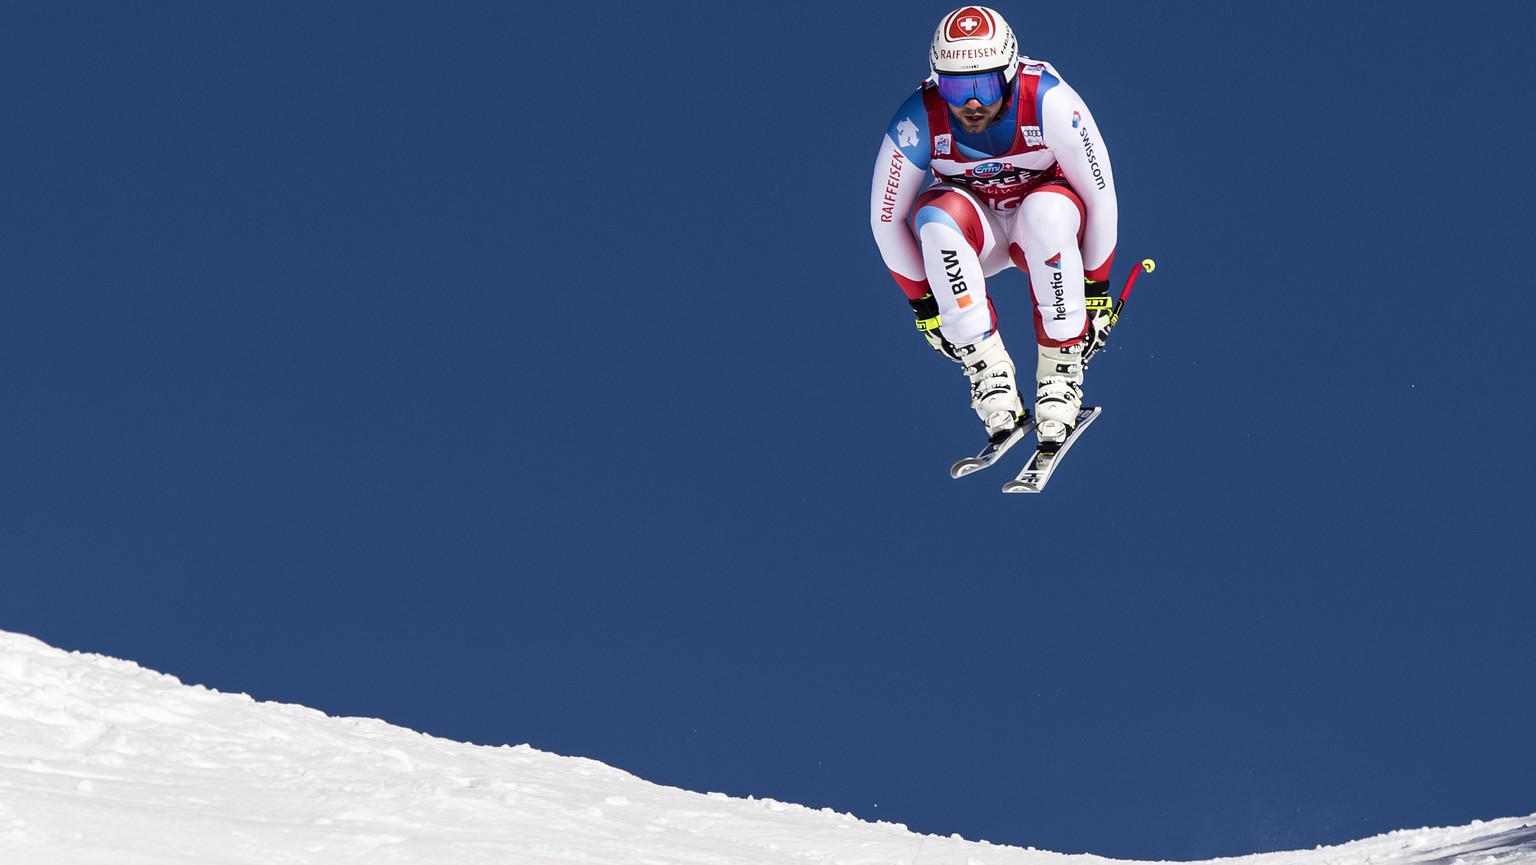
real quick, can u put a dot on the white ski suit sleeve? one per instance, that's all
(1073, 137)
(901, 172)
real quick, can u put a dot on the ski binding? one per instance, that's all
(1037, 472)
(993, 451)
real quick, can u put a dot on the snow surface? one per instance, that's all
(102, 761)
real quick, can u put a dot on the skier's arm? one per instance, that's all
(1074, 138)
(901, 170)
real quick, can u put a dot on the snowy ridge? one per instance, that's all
(102, 761)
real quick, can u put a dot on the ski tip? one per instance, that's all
(965, 467)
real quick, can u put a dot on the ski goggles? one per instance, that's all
(984, 87)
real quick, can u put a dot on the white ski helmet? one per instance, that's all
(974, 39)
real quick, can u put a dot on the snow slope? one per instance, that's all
(102, 761)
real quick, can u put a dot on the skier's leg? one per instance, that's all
(957, 236)
(1044, 243)
(953, 231)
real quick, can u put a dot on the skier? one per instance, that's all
(994, 161)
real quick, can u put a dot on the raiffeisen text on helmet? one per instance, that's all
(969, 53)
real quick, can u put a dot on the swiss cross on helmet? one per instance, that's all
(974, 39)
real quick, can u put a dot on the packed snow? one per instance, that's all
(103, 761)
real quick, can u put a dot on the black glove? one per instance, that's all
(927, 311)
(1101, 316)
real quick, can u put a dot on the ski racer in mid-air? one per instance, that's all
(995, 162)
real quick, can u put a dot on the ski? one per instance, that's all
(1037, 472)
(992, 452)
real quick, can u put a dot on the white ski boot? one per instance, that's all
(1059, 393)
(994, 391)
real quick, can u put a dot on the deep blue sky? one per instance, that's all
(530, 376)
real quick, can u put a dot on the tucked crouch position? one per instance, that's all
(995, 162)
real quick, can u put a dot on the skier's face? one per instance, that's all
(974, 117)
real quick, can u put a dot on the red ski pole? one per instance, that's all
(1148, 265)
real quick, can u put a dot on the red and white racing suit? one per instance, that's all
(1033, 191)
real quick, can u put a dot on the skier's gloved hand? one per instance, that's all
(1101, 316)
(927, 311)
